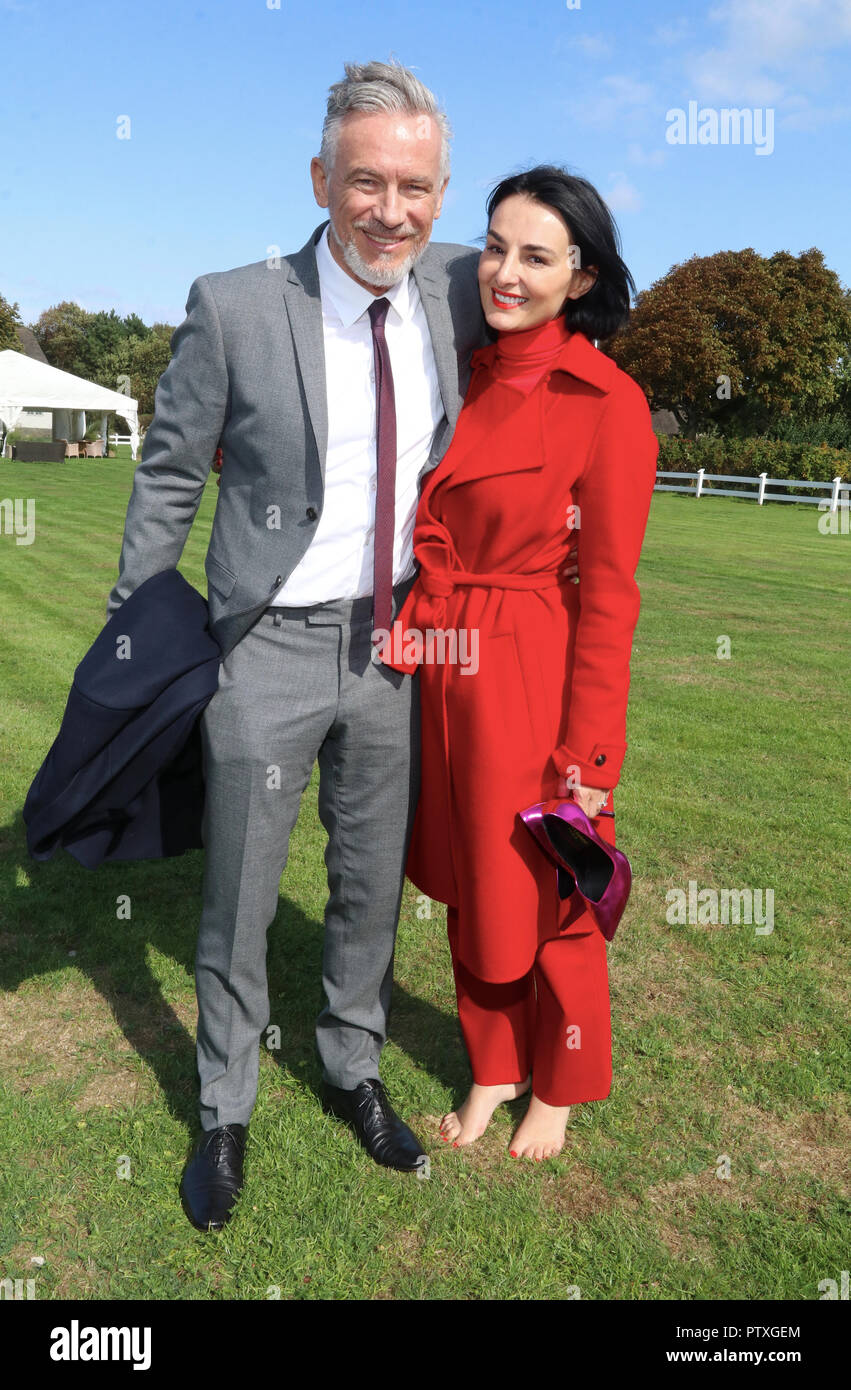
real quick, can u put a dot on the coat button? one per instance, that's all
(311, 513)
(278, 582)
(599, 760)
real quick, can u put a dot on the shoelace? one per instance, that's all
(376, 1097)
(217, 1146)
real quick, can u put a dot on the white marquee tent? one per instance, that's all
(28, 384)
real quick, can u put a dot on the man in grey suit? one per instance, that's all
(309, 371)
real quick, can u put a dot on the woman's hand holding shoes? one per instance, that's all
(592, 800)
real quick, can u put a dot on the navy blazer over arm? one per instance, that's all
(124, 777)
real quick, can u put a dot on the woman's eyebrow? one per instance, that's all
(530, 246)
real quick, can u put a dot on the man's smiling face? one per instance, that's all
(382, 193)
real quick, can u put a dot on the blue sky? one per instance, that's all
(226, 100)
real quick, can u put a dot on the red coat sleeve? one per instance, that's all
(613, 494)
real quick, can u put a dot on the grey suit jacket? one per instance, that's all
(248, 372)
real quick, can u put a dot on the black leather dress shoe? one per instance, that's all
(385, 1137)
(212, 1180)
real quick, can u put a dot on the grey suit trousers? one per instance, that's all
(301, 685)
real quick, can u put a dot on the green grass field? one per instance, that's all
(729, 1043)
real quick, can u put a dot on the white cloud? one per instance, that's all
(773, 31)
(671, 35)
(592, 45)
(613, 100)
(717, 76)
(652, 158)
(768, 48)
(802, 115)
(622, 196)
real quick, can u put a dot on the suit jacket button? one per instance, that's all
(599, 760)
(278, 582)
(311, 513)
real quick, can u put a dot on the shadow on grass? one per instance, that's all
(65, 908)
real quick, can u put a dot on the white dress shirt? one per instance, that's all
(338, 563)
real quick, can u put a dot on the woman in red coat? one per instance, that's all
(524, 675)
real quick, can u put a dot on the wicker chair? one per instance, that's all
(72, 451)
(94, 449)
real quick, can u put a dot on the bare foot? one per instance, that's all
(540, 1133)
(471, 1119)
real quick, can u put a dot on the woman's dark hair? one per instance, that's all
(604, 309)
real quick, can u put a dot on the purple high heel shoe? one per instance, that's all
(600, 873)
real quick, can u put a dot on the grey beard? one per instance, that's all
(382, 277)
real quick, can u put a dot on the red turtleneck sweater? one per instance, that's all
(523, 357)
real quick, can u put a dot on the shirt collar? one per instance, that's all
(349, 299)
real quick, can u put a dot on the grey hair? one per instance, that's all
(381, 87)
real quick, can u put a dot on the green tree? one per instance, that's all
(102, 346)
(741, 343)
(61, 333)
(8, 318)
(134, 327)
(104, 332)
(143, 360)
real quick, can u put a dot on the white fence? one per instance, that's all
(693, 483)
(702, 484)
(123, 439)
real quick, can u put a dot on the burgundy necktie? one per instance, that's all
(385, 495)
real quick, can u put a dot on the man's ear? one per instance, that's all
(319, 180)
(439, 203)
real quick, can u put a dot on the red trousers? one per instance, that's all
(554, 1022)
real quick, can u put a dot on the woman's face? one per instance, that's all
(528, 269)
